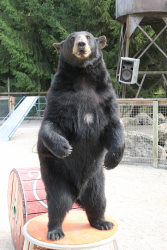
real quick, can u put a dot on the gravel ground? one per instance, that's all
(136, 195)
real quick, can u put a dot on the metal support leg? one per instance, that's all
(140, 86)
(118, 63)
(116, 247)
(26, 243)
(127, 47)
(31, 246)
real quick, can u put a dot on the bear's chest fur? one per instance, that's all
(82, 112)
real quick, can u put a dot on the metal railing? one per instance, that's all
(6, 117)
(145, 126)
(35, 113)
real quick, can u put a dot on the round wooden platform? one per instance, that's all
(78, 232)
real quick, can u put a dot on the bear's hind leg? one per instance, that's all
(59, 203)
(60, 200)
(94, 202)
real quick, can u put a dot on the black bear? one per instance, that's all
(80, 133)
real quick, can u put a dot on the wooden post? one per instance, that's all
(11, 104)
(165, 59)
(155, 134)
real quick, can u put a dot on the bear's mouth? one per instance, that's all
(82, 52)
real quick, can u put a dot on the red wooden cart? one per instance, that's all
(26, 200)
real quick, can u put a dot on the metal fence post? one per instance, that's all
(155, 134)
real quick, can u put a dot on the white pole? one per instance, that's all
(8, 86)
(155, 134)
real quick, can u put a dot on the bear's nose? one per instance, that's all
(81, 44)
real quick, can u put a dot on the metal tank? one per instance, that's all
(134, 14)
(129, 7)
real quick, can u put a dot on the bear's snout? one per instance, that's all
(81, 45)
(81, 48)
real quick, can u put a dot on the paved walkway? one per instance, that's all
(136, 195)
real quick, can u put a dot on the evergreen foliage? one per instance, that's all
(28, 29)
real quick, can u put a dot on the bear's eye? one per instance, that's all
(88, 37)
(72, 39)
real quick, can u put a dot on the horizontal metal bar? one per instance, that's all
(137, 159)
(152, 72)
(4, 99)
(141, 100)
(22, 93)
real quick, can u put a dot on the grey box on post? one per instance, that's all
(129, 68)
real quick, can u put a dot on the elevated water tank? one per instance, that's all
(135, 14)
(130, 7)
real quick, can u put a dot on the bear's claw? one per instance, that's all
(102, 224)
(62, 148)
(55, 234)
(69, 151)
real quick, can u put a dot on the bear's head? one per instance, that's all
(80, 47)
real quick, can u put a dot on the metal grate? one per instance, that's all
(4, 106)
(137, 120)
(162, 129)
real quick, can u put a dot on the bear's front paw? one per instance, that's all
(112, 159)
(102, 224)
(55, 234)
(62, 148)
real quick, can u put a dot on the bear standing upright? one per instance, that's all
(80, 132)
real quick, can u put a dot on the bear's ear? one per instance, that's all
(102, 40)
(58, 46)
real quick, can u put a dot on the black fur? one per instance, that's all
(71, 151)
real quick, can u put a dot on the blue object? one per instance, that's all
(51, 78)
(13, 122)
